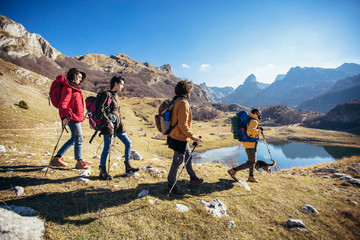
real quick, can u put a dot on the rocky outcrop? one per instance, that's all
(16, 41)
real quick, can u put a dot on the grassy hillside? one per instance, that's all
(95, 210)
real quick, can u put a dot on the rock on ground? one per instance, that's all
(325, 170)
(309, 209)
(295, 223)
(14, 226)
(244, 184)
(143, 193)
(216, 207)
(135, 155)
(181, 207)
(85, 173)
(231, 224)
(82, 179)
(21, 210)
(2, 148)
(18, 191)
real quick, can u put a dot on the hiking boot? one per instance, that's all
(80, 164)
(175, 190)
(252, 179)
(58, 162)
(129, 168)
(196, 180)
(232, 173)
(104, 175)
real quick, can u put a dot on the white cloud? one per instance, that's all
(185, 66)
(205, 67)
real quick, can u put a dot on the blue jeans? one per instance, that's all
(76, 138)
(107, 143)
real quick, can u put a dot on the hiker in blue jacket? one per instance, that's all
(253, 131)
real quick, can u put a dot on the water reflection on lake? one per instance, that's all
(286, 155)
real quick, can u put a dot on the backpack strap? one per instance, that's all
(253, 139)
(175, 99)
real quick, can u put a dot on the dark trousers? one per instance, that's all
(250, 163)
(178, 159)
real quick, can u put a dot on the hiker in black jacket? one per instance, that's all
(110, 117)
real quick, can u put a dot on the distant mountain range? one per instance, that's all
(343, 117)
(344, 90)
(308, 88)
(33, 52)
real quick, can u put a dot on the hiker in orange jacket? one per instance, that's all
(178, 138)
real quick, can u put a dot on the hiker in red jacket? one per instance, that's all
(71, 111)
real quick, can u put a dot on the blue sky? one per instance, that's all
(216, 42)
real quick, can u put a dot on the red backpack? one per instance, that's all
(91, 106)
(55, 90)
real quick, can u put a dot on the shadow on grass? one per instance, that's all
(58, 207)
(13, 181)
(23, 168)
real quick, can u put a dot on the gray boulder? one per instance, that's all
(291, 223)
(216, 207)
(135, 155)
(309, 209)
(14, 226)
(18, 191)
(21, 210)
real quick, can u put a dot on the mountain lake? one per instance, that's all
(286, 155)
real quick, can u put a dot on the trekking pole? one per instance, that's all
(111, 143)
(268, 149)
(63, 127)
(194, 144)
(99, 147)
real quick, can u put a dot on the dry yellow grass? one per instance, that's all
(95, 210)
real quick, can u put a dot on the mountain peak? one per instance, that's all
(250, 79)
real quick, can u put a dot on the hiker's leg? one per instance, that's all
(106, 150)
(243, 166)
(127, 142)
(78, 139)
(69, 142)
(189, 168)
(178, 159)
(252, 160)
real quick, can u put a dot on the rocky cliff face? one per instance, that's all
(33, 52)
(16, 41)
(217, 93)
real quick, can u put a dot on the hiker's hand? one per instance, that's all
(111, 126)
(65, 121)
(197, 140)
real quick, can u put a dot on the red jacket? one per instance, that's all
(71, 102)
